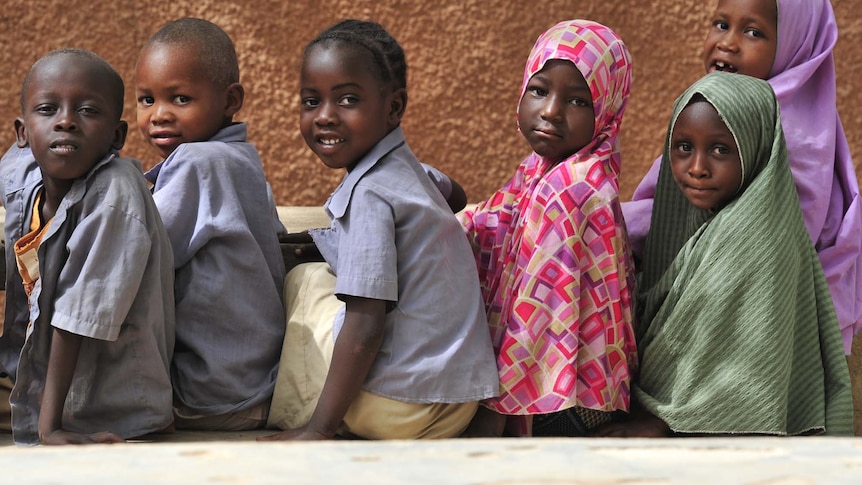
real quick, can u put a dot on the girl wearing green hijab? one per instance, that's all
(737, 332)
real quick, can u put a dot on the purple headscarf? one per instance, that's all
(803, 77)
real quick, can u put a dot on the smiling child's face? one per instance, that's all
(345, 109)
(742, 38)
(556, 113)
(70, 117)
(177, 102)
(704, 157)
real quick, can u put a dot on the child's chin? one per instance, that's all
(549, 155)
(699, 204)
(165, 153)
(163, 149)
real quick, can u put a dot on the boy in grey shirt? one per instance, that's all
(214, 200)
(89, 324)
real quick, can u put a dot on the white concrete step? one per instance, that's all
(464, 461)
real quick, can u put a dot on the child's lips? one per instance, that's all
(63, 146)
(163, 138)
(698, 190)
(722, 66)
(329, 140)
(545, 132)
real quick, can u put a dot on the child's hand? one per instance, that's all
(308, 253)
(63, 437)
(299, 434)
(295, 238)
(301, 245)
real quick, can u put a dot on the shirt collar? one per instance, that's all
(76, 194)
(230, 133)
(337, 204)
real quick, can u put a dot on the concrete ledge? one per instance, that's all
(501, 461)
(294, 218)
(300, 218)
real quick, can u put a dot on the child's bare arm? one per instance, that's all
(448, 187)
(296, 238)
(355, 350)
(65, 347)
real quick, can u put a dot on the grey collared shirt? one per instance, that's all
(215, 203)
(394, 238)
(106, 273)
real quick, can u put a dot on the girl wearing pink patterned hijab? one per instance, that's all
(801, 70)
(551, 247)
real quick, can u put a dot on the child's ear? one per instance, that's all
(120, 133)
(397, 106)
(20, 133)
(235, 97)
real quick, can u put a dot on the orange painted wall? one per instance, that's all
(466, 60)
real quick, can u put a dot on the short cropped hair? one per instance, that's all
(111, 76)
(216, 49)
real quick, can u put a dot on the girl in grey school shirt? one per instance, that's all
(412, 354)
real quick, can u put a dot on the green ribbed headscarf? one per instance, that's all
(748, 107)
(737, 332)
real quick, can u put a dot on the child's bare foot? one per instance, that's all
(485, 424)
(63, 437)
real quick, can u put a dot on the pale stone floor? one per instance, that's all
(235, 458)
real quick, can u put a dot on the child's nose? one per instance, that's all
(698, 167)
(66, 120)
(729, 41)
(161, 112)
(326, 114)
(552, 109)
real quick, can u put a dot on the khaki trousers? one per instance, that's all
(307, 352)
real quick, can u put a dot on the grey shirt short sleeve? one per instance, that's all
(106, 272)
(394, 238)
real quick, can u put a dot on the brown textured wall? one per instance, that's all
(466, 59)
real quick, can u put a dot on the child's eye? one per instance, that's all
(754, 33)
(146, 100)
(580, 102)
(684, 147)
(182, 99)
(719, 24)
(537, 91)
(88, 110)
(348, 100)
(45, 109)
(720, 150)
(310, 102)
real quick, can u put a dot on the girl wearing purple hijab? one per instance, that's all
(789, 43)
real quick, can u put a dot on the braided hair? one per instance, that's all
(389, 61)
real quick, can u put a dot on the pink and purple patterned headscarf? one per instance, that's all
(605, 63)
(553, 255)
(803, 77)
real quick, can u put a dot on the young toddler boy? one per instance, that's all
(89, 319)
(217, 208)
